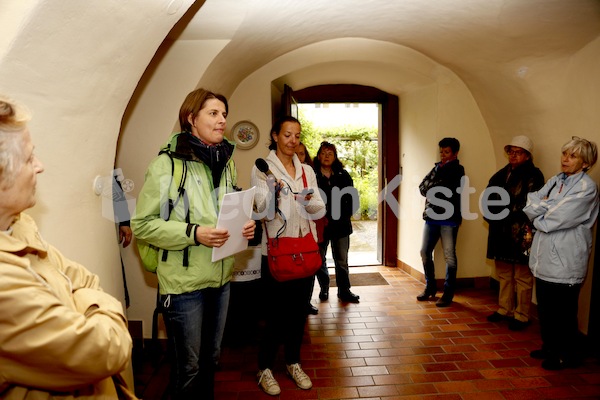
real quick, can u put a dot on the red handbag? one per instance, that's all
(293, 258)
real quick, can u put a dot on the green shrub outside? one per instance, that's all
(358, 150)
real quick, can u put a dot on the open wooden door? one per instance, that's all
(387, 237)
(289, 105)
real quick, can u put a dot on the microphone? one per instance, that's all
(263, 167)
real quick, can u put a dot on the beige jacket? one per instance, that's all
(61, 336)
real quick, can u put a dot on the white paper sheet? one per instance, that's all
(235, 211)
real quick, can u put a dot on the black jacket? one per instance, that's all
(448, 176)
(509, 239)
(338, 226)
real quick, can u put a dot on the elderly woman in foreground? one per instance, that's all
(563, 212)
(60, 334)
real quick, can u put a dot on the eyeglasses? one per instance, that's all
(515, 152)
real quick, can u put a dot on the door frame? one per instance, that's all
(389, 149)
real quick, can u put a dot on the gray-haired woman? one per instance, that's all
(563, 213)
(60, 334)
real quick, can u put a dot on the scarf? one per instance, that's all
(215, 156)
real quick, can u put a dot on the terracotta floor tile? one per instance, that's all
(523, 394)
(493, 384)
(455, 387)
(464, 375)
(534, 382)
(371, 370)
(337, 393)
(508, 362)
(482, 396)
(392, 347)
(428, 377)
(419, 388)
(393, 379)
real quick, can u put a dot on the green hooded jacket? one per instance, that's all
(174, 235)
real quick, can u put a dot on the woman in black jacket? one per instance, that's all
(442, 217)
(342, 201)
(509, 238)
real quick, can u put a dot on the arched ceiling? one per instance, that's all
(477, 39)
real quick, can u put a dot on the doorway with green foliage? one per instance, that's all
(369, 151)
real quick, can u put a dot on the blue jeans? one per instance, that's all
(431, 235)
(195, 324)
(339, 251)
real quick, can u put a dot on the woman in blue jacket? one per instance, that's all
(563, 212)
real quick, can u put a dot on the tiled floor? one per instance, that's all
(392, 347)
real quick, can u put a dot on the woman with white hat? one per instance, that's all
(509, 239)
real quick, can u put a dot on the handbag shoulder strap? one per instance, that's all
(305, 186)
(304, 181)
(303, 177)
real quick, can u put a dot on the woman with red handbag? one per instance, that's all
(287, 209)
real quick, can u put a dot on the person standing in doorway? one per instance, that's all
(442, 222)
(509, 239)
(337, 187)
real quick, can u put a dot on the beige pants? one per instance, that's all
(514, 277)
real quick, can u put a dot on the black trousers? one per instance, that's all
(557, 311)
(284, 309)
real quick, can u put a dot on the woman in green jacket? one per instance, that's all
(177, 212)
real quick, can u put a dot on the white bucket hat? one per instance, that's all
(520, 141)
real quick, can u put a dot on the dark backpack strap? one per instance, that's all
(172, 203)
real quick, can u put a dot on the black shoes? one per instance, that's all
(426, 295)
(429, 294)
(553, 362)
(444, 302)
(513, 324)
(556, 364)
(516, 325)
(497, 317)
(348, 297)
(324, 295)
(539, 354)
(312, 310)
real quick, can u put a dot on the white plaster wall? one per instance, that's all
(444, 109)
(152, 116)
(418, 152)
(75, 65)
(574, 112)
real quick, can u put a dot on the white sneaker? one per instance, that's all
(302, 380)
(268, 383)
